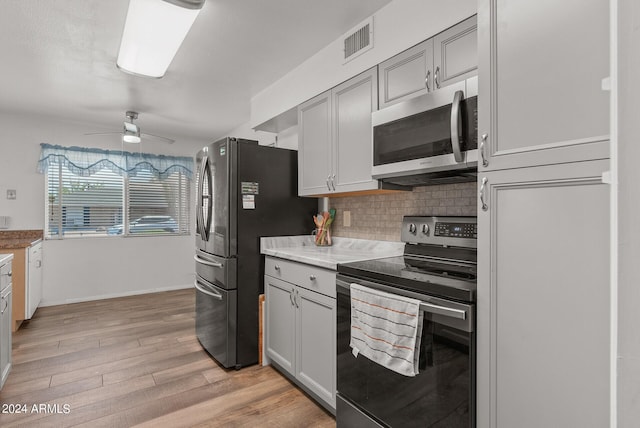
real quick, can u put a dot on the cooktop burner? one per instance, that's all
(439, 260)
(452, 283)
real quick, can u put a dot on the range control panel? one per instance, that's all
(456, 230)
(445, 231)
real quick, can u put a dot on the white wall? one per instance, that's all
(88, 268)
(397, 26)
(287, 139)
(245, 131)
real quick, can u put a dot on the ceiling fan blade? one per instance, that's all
(157, 137)
(103, 133)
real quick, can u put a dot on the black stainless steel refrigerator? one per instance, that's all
(244, 191)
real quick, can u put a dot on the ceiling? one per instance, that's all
(59, 60)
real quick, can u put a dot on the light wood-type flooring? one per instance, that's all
(135, 361)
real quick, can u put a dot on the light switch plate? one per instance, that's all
(346, 219)
(11, 193)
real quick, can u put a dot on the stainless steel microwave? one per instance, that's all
(429, 139)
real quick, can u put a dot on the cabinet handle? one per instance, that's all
(328, 186)
(295, 299)
(39, 263)
(333, 182)
(312, 277)
(291, 297)
(483, 140)
(6, 305)
(426, 81)
(484, 205)
(436, 77)
(277, 267)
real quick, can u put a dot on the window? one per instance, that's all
(116, 193)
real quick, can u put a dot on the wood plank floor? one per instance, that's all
(135, 361)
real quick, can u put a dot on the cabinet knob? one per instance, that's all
(312, 277)
(277, 267)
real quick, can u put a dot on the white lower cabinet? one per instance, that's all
(301, 327)
(5, 322)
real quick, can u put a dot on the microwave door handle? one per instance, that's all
(456, 126)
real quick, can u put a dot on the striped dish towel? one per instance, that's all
(386, 328)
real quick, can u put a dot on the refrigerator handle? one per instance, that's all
(206, 262)
(199, 185)
(208, 292)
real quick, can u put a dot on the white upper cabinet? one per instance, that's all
(406, 75)
(455, 53)
(447, 58)
(545, 61)
(334, 138)
(314, 145)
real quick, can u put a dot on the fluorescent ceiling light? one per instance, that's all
(153, 33)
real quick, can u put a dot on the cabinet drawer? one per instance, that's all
(310, 277)
(5, 275)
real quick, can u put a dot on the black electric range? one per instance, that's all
(439, 267)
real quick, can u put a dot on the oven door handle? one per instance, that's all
(443, 310)
(456, 126)
(425, 306)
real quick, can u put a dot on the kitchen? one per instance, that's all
(77, 270)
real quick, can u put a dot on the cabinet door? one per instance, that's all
(543, 298)
(314, 140)
(406, 75)
(455, 53)
(541, 66)
(280, 323)
(353, 102)
(316, 344)
(5, 334)
(34, 281)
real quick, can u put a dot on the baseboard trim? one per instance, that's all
(44, 303)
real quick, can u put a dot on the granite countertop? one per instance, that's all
(344, 250)
(4, 258)
(16, 239)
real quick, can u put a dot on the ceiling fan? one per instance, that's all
(131, 132)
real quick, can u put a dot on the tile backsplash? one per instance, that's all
(379, 217)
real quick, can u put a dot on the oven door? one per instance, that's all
(441, 395)
(431, 133)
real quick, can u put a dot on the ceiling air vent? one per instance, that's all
(358, 40)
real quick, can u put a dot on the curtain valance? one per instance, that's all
(86, 161)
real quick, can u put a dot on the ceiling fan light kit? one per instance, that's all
(153, 33)
(131, 131)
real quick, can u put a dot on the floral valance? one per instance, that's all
(85, 161)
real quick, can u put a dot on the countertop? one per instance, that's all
(17, 239)
(302, 249)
